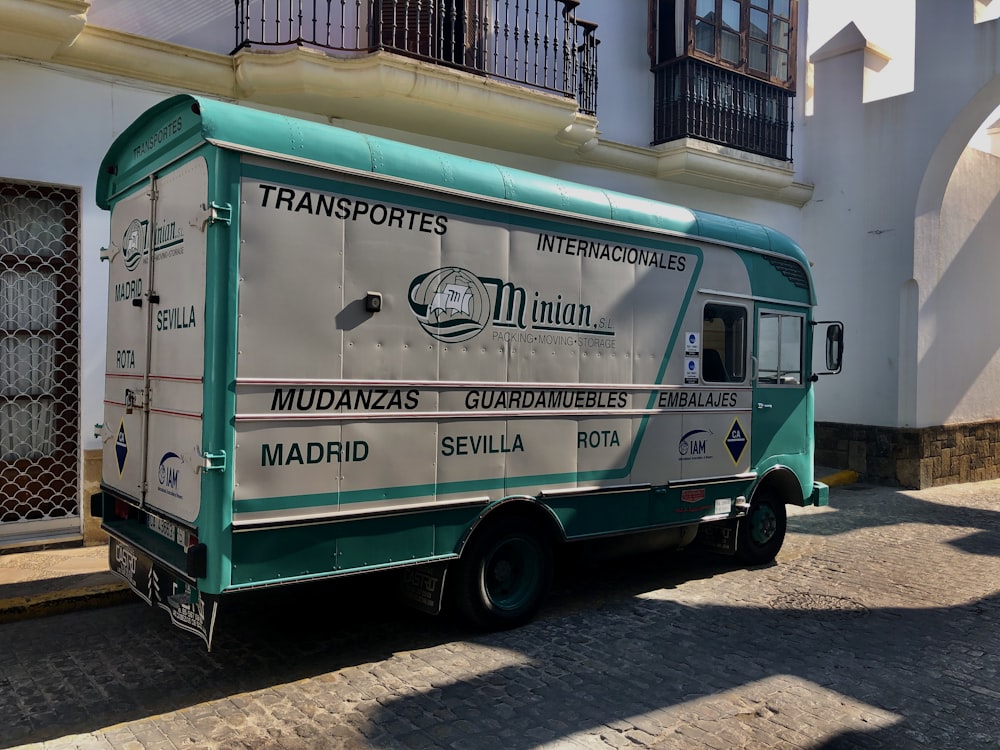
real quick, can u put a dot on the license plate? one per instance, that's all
(132, 565)
(167, 529)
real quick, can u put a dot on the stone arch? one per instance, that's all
(918, 334)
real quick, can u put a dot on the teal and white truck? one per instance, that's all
(331, 354)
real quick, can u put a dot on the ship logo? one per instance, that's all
(451, 304)
(134, 244)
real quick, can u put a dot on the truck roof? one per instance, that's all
(182, 123)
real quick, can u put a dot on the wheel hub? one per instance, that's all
(764, 525)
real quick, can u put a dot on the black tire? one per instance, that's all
(503, 575)
(762, 532)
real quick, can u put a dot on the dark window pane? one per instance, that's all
(705, 8)
(779, 33)
(666, 38)
(782, 8)
(731, 14)
(730, 47)
(758, 56)
(779, 64)
(759, 4)
(724, 337)
(704, 37)
(758, 24)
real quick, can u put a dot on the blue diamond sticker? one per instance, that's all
(121, 448)
(736, 441)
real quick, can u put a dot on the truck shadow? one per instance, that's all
(901, 676)
(864, 506)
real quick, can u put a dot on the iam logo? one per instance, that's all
(134, 244)
(693, 445)
(168, 474)
(451, 303)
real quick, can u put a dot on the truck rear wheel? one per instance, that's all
(762, 532)
(503, 575)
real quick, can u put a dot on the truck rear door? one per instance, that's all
(153, 401)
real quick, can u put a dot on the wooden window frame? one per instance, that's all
(742, 66)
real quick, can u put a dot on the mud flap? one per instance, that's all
(134, 567)
(719, 536)
(422, 587)
(194, 612)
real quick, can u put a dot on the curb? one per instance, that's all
(840, 478)
(59, 602)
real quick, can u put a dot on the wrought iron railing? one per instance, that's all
(697, 100)
(536, 43)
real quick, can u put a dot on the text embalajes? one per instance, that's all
(351, 209)
(696, 400)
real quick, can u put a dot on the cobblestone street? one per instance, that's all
(878, 627)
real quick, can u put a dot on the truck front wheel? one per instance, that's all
(762, 532)
(503, 575)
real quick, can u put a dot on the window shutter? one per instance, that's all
(651, 31)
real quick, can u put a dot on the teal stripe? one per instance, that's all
(464, 487)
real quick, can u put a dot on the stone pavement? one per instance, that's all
(877, 627)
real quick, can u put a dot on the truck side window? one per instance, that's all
(779, 349)
(724, 344)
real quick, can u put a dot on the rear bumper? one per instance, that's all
(188, 563)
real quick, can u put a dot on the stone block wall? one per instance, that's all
(910, 457)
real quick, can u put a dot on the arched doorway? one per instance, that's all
(950, 343)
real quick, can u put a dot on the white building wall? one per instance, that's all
(65, 119)
(896, 240)
(881, 168)
(625, 84)
(56, 128)
(960, 363)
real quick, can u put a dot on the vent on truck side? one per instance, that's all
(791, 271)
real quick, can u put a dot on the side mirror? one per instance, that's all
(834, 347)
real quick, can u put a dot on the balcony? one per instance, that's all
(697, 100)
(540, 44)
(366, 65)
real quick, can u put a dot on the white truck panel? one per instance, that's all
(505, 346)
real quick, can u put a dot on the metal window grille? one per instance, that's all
(698, 100)
(39, 359)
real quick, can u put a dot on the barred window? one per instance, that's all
(39, 351)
